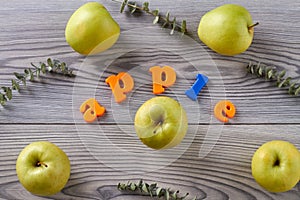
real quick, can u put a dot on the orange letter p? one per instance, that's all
(120, 84)
(162, 77)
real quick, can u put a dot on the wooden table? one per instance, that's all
(107, 152)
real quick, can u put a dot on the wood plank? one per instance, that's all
(224, 173)
(253, 97)
(257, 101)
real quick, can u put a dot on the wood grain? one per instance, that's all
(107, 151)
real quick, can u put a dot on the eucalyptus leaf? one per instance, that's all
(282, 74)
(15, 85)
(31, 73)
(297, 91)
(156, 19)
(271, 73)
(166, 22)
(155, 12)
(168, 17)
(133, 186)
(146, 6)
(167, 194)
(123, 5)
(3, 99)
(292, 89)
(133, 7)
(183, 26)
(159, 192)
(8, 92)
(50, 63)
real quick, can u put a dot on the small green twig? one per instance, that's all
(165, 20)
(271, 73)
(51, 66)
(152, 190)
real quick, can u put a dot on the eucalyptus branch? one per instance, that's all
(152, 190)
(51, 66)
(158, 18)
(271, 73)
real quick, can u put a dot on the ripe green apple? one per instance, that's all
(91, 29)
(43, 168)
(276, 166)
(161, 122)
(228, 29)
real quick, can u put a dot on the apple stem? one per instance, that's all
(38, 164)
(157, 126)
(251, 26)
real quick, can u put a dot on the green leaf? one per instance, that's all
(3, 99)
(145, 188)
(33, 65)
(297, 91)
(43, 68)
(121, 186)
(173, 26)
(260, 71)
(285, 82)
(123, 5)
(153, 185)
(251, 69)
(133, 186)
(292, 89)
(29, 74)
(159, 192)
(281, 74)
(183, 26)
(165, 24)
(167, 194)
(8, 92)
(168, 17)
(174, 194)
(38, 72)
(18, 76)
(267, 70)
(146, 6)
(156, 19)
(132, 7)
(15, 85)
(270, 73)
(155, 12)
(50, 62)
(140, 184)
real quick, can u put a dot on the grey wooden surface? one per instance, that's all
(107, 151)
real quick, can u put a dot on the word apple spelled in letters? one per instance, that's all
(122, 83)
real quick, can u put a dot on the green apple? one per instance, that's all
(161, 122)
(43, 168)
(91, 29)
(228, 29)
(276, 166)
